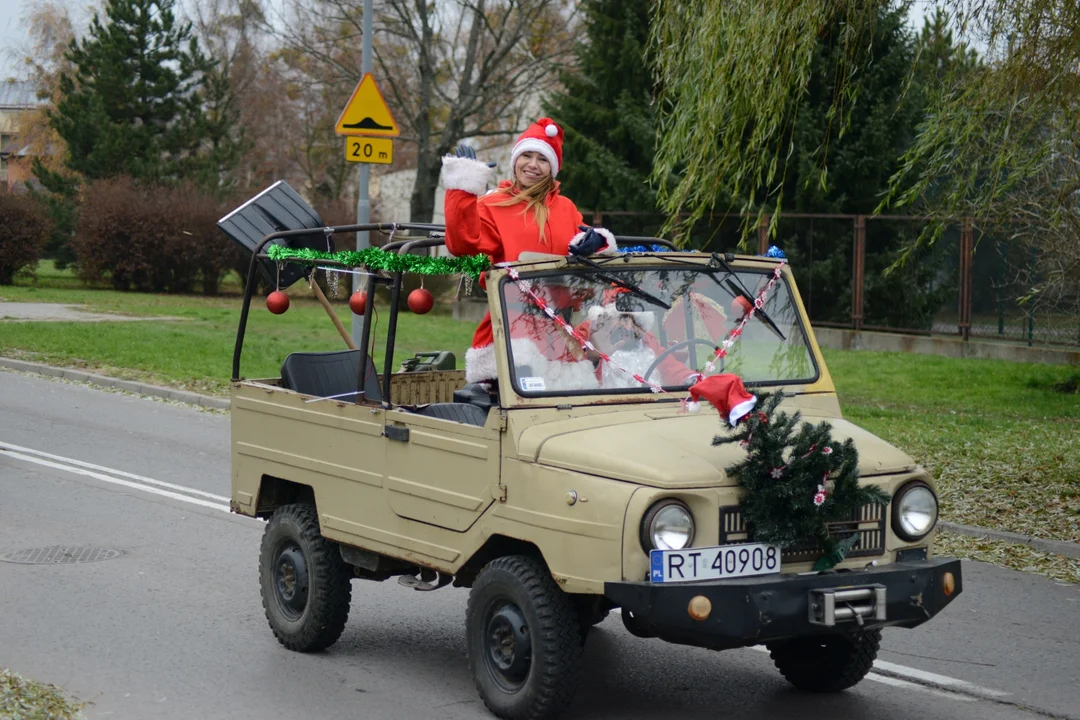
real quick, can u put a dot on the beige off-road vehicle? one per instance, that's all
(569, 489)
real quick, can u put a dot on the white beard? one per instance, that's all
(635, 362)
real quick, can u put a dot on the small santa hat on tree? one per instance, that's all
(726, 393)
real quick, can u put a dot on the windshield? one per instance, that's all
(659, 325)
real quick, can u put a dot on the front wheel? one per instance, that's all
(826, 663)
(305, 584)
(524, 640)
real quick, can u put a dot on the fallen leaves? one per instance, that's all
(30, 700)
(1015, 557)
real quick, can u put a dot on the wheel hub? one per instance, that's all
(291, 581)
(509, 645)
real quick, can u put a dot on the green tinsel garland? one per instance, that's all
(378, 259)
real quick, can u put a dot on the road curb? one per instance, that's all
(191, 398)
(1058, 547)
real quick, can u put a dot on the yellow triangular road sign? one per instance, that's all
(366, 112)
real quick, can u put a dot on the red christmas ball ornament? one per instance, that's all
(358, 302)
(277, 302)
(421, 301)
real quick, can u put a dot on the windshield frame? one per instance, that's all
(644, 394)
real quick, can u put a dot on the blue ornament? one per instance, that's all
(643, 248)
(775, 252)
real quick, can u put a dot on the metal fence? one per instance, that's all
(969, 283)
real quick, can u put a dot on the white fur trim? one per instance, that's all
(606, 234)
(466, 174)
(631, 362)
(535, 145)
(577, 238)
(741, 409)
(557, 375)
(693, 406)
(609, 312)
(480, 364)
(551, 130)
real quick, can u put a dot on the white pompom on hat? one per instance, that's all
(544, 137)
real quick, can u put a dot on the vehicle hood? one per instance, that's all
(675, 451)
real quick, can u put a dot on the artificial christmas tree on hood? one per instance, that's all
(797, 478)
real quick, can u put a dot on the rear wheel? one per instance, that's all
(524, 640)
(826, 663)
(305, 584)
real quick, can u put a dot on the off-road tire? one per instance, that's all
(322, 618)
(826, 663)
(553, 627)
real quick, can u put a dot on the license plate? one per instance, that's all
(713, 563)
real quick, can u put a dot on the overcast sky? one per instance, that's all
(11, 33)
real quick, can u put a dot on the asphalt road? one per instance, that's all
(173, 628)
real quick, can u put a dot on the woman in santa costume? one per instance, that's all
(524, 214)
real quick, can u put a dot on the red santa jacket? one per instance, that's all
(477, 225)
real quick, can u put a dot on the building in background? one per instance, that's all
(17, 99)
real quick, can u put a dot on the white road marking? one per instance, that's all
(115, 480)
(935, 679)
(114, 473)
(896, 682)
(942, 681)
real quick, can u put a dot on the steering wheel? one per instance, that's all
(678, 346)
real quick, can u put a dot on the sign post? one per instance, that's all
(363, 198)
(368, 127)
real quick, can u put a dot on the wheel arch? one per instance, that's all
(275, 492)
(496, 546)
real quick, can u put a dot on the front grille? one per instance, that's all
(868, 522)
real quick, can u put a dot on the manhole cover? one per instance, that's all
(57, 555)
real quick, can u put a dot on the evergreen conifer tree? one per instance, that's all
(133, 104)
(605, 110)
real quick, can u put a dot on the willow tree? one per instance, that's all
(996, 141)
(731, 76)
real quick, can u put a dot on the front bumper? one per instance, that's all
(753, 610)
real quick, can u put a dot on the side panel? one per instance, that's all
(440, 472)
(576, 520)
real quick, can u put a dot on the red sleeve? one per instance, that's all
(469, 228)
(672, 372)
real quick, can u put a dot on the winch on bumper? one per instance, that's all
(753, 610)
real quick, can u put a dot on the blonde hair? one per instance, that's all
(533, 197)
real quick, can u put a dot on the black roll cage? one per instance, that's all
(434, 238)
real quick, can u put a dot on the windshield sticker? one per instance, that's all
(531, 384)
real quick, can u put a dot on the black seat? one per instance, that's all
(455, 412)
(329, 374)
(475, 394)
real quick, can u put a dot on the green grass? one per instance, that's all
(1000, 441)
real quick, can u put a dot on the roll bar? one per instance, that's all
(402, 247)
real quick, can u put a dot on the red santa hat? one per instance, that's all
(544, 137)
(726, 393)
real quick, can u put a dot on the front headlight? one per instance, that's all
(668, 525)
(915, 511)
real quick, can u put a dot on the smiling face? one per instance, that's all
(530, 168)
